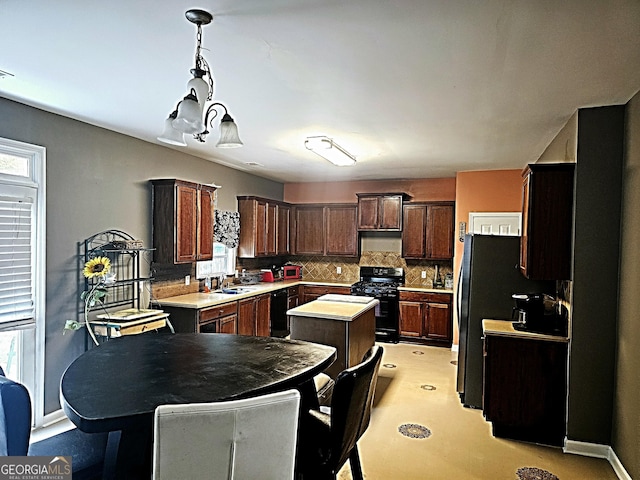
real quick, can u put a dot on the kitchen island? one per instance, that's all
(346, 322)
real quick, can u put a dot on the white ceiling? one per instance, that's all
(413, 88)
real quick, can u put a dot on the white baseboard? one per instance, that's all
(599, 451)
(454, 348)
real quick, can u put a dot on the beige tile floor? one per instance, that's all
(460, 445)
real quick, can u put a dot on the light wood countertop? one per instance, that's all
(505, 328)
(333, 310)
(417, 288)
(200, 300)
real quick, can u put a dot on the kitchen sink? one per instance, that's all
(236, 290)
(219, 296)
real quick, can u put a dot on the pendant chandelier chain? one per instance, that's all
(201, 63)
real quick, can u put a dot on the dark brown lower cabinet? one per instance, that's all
(218, 319)
(254, 317)
(525, 388)
(311, 292)
(293, 297)
(426, 318)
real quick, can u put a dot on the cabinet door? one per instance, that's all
(547, 214)
(260, 228)
(283, 244)
(524, 389)
(292, 301)
(438, 321)
(342, 235)
(439, 233)
(246, 316)
(182, 221)
(208, 327)
(411, 319)
(310, 230)
(368, 213)
(524, 238)
(228, 324)
(413, 233)
(270, 229)
(263, 315)
(390, 216)
(186, 224)
(205, 223)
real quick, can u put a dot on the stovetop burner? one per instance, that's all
(378, 281)
(375, 287)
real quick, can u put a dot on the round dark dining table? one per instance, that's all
(117, 386)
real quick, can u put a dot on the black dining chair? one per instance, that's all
(330, 439)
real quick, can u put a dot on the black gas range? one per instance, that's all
(382, 283)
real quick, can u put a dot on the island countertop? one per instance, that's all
(335, 307)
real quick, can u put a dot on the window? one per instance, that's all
(222, 263)
(224, 259)
(22, 267)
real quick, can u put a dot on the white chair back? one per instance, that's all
(235, 440)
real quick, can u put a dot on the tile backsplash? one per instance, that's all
(325, 268)
(170, 280)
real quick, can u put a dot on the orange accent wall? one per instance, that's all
(483, 191)
(420, 190)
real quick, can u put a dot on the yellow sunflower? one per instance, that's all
(98, 266)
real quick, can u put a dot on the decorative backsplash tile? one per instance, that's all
(325, 268)
(314, 269)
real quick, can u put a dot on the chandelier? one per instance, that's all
(190, 116)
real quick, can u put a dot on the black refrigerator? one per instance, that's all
(489, 275)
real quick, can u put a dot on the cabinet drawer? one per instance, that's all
(324, 289)
(218, 311)
(425, 297)
(292, 291)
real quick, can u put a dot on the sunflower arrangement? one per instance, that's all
(97, 268)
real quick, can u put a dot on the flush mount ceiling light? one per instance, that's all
(190, 111)
(329, 150)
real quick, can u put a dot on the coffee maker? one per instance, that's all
(540, 313)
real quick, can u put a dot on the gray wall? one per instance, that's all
(598, 195)
(98, 180)
(626, 420)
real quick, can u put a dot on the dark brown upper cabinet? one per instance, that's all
(380, 212)
(547, 221)
(309, 228)
(428, 230)
(182, 221)
(342, 235)
(264, 227)
(327, 230)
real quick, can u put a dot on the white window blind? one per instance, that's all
(16, 244)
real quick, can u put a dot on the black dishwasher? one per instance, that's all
(279, 321)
